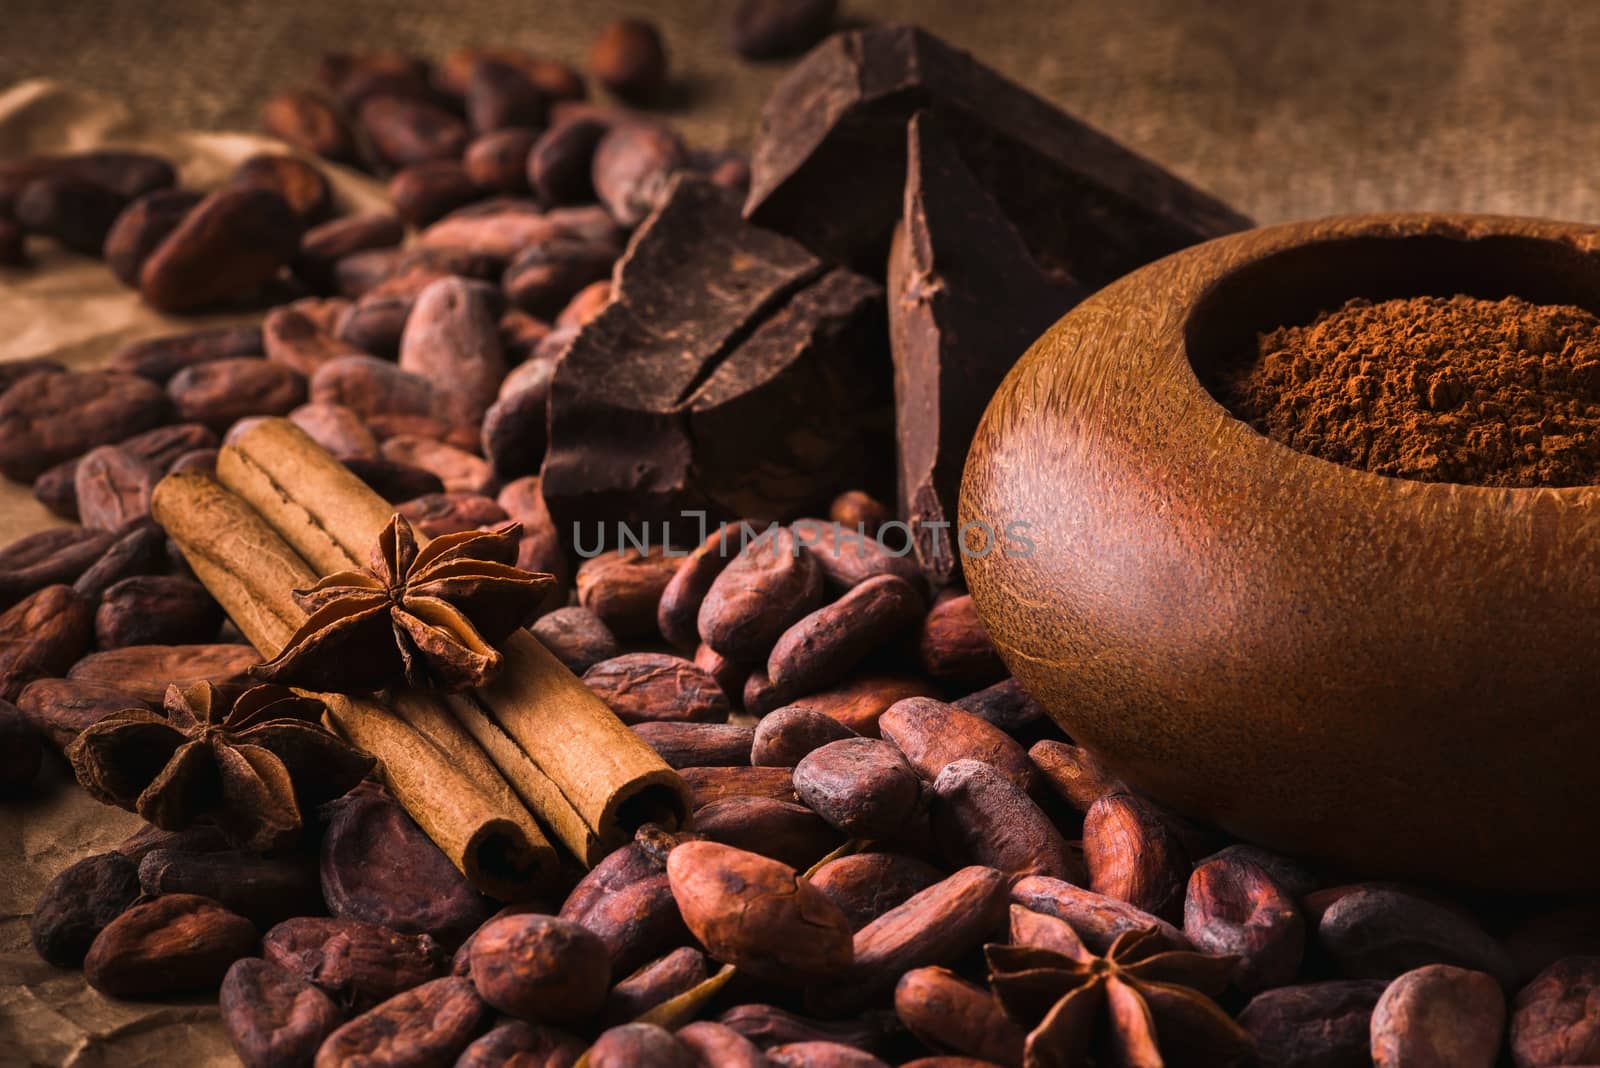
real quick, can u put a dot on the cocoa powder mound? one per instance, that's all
(1437, 389)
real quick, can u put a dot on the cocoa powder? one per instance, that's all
(1437, 389)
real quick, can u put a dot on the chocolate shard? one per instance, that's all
(968, 300)
(733, 372)
(827, 170)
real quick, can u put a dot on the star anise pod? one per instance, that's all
(250, 768)
(431, 617)
(1139, 1006)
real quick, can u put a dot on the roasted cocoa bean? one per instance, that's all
(640, 687)
(773, 29)
(357, 964)
(862, 786)
(1134, 854)
(620, 868)
(74, 211)
(1005, 704)
(857, 510)
(982, 817)
(946, 1012)
(423, 192)
(758, 914)
(867, 885)
(760, 696)
(159, 358)
(821, 648)
(1097, 919)
(1234, 907)
(13, 246)
(305, 121)
(577, 637)
(48, 558)
(139, 551)
(379, 867)
(1318, 1025)
(823, 1055)
(301, 185)
(721, 1045)
(523, 1045)
(429, 1025)
(767, 1026)
(932, 734)
(584, 307)
(53, 416)
(355, 76)
(560, 163)
(438, 514)
(222, 391)
(227, 247)
(789, 833)
(452, 340)
(544, 277)
(144, 672)
(156, 610)
(1379, 933)
(78, 904)
(56, 489)
(638, 922)
(459, 471)
(14, 371)
(361, 273)
(40, 637)
(132, 174)
(498, 160)
(629, 58)
(161, 447)
(175, 943)
(678, 611)
(555, 79)
(261, 889)
(656, 982)
(294, 339)
(322, 247)
(715, 784)
(376, 322)
(771, 584)
(140, 227)
(21, 752)
(273, 1018)
(953, 646)
(59, 709)
(1439, 1017)
(371, 387)
(337, 429)
(1073, 773)
(540, 548)
(395, 481)
(1553, 1020)
(689, 745)
(624, 588)
(112, 487)
(636, 1044)
(201, 838)
(729, 674)
(633, 165)
(406, 131)
(850, 556)
(520, 334)
(540, 968)
(502, 95)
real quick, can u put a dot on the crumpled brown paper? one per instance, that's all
(70, 308)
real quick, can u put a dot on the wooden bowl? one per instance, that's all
(1394, 675)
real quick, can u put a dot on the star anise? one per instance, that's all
(431, 617)
(250, 768)
(1138, 1006)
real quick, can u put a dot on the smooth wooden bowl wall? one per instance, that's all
(1399, 676)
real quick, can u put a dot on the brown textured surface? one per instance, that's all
(1288, 111)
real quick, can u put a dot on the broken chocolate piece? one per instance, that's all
(968, 301)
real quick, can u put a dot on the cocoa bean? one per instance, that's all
(60, 709)
(823, 1055)
(263, 890)
(406, 131)
(633, 165)
(499, 234)
(541, 548)
(636, 1044)
(577, 637)
(370, 387)
(953, 646)
(498, 160)
(14, 371)
(139, 551)
(74, 211)
(376, 322)
(540, 968)
(862, 786)
(520, 334)
(156, 609)
(982, 817)
(522, 1045)
(769, 586)
(201, 838)
(555, 79)
(1439, 1017)
(394, 481)
(624, 588)
(55, 489)
(77, 905)
(760, 695)
(175, 943)
(274, 1019)
(513, 427)
(560, 162)
(678, 612)
(161, 447)
(931, 734)
(933, 927)
(688, 745)
(307, 122)
(40, 637)
(867, 885)
(545, 276)
(789, 833)
(144, 672)
(637, 923)
(337, 429)
(729, 674)
(850, 556)
(221, 392)
(301, 185)
(227, 247)
(758, 914)
(1073, 773)
(13, 246)
(112, 487)
(357, 964)
(438, 514)
(502, 95)
(767, 1026)
(322, 247)
(21, 752)
(132, 174)
(1553, 1021)
(1134, 855)
(946, 1012)
(821, 648)
(53, 416)
(423, 192)
(1535, 942)
(721, 1045)
(1097, 919)
(1005, 704)
(584, 307)
(715, 784)
(1234, 907)
(355, 76)
(379, 867)
(159, 358)
(656, 982)
(773, 29)
(360, 274)
(140, 227)
(453, 341)
(1318, 1025)
(618, 870)
(1379, 933)
(429, 1025)
(295, 340)
(629, 58)
(459, 471)
(1295, 880)
(640, 687)
(856, 510)
(47, 558)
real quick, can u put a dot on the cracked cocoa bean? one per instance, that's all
(1234, 907)
(358, 964)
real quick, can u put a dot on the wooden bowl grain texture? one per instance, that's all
(1394, 675)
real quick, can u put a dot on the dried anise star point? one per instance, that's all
(431, 616)
(249, 767)
(1138, 1006)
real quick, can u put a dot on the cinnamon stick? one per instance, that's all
(589, 778)
(433, 767)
